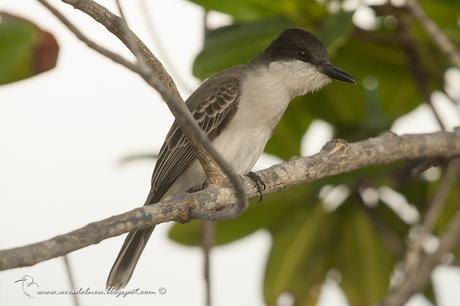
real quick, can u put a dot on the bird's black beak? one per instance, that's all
(336, 73)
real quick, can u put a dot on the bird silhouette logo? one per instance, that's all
(29, 287)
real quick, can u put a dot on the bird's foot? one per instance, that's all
(260, 184)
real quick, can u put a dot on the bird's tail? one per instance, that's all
(127, 259)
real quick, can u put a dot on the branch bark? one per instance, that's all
(336, 157)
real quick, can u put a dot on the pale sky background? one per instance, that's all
(62, 135)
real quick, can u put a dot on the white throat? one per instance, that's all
(298, 78)
(268, 89)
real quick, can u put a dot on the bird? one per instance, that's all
(238, 109)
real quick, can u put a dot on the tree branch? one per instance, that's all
(414, 252)
(336, 157)
(415, 64)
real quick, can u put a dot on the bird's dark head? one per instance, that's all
(296, 44)
(300, 53)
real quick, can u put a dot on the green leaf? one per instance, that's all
(297, 263)
(361, 257)
(25, 50)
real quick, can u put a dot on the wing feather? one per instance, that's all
(212, 113)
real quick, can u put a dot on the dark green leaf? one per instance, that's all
(362, 258)
(298, 262)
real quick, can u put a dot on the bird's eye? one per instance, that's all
(302, 53)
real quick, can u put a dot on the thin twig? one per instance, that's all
(207, 241)
(336, 157)
(414, 252)
(71, 279)
(436, 34)
(416, 67)
(163, 54)
(207, 227)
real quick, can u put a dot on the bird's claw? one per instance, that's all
(260, 184)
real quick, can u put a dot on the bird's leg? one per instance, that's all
(260, 184)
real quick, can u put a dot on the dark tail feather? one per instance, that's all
(126, 261)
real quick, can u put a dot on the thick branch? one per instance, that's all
(336, 157)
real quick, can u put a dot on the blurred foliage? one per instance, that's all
(359, 243)
(25, 49)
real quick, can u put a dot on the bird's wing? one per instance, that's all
(212, 105)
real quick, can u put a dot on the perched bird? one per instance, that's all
(238, 109)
